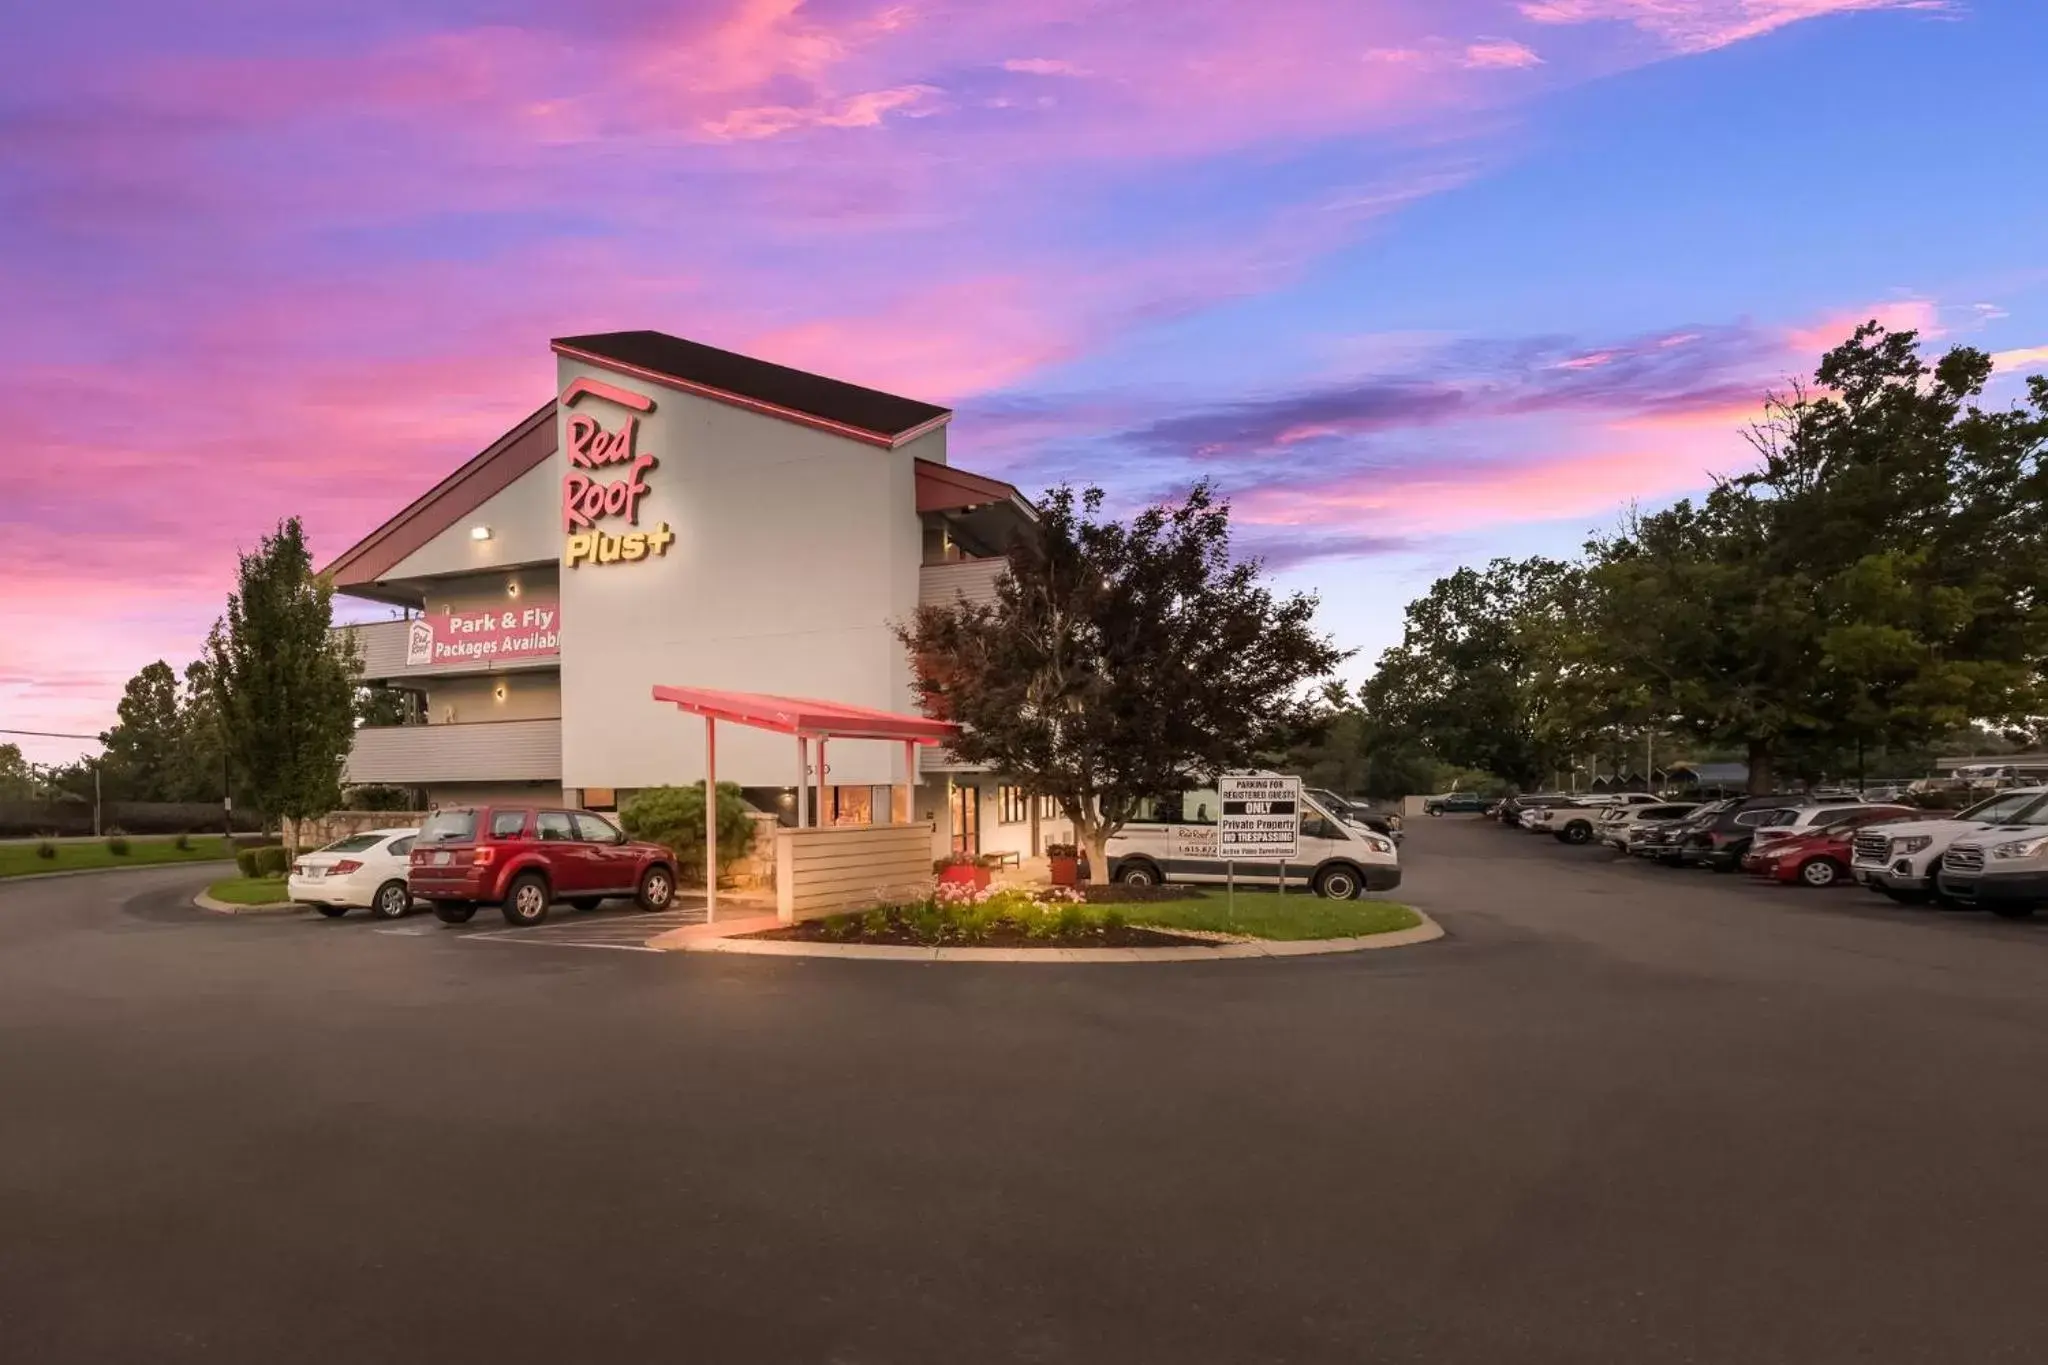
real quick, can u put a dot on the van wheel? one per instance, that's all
(526, 900)
(1338, 884)
(392, 901)
(1138, 874)
(453, 912)
(1577, 832)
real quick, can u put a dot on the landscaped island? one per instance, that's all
(1100, 917)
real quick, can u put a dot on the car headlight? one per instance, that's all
(1913, 845)
(2021, 848)
(1379, 845)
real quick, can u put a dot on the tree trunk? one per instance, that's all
(1761, 779)
(1098, 857)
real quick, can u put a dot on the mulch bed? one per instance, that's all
(813, 931)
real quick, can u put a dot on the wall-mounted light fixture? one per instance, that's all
(499, 691)
(479, 533)
(512, 588)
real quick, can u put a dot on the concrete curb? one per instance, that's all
(1226, 948)
(206, 902)
(124, 867)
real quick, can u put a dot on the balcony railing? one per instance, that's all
(941, 585)
(482, 751)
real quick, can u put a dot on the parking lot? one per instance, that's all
(1620, 1114)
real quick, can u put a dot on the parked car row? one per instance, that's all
(1993, 854)
(522, 859)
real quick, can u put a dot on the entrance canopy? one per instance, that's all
(804, 716)
(808, 720)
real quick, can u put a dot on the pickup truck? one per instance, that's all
(1455, 803)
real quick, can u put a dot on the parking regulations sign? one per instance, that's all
(1261, 820)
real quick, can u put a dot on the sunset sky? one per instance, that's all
(1419, 282)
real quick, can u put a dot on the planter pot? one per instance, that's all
(1066, 871)
(964, 874)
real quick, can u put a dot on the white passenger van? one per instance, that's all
(1173, 839)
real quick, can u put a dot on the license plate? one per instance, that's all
(314, 874)
(443, 858)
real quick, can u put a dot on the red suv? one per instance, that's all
(524, 859)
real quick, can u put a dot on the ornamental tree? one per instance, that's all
(284, 680)
(1121, 661)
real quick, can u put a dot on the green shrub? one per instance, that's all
(46, 850)
(1113, 920)
(273, 860)
(875, 923)
(674, 816)
(118, 846)
(245, 861)
(183, 843)
(1116, 893)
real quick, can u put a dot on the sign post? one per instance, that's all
(1260, 821)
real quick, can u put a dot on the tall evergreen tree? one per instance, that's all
(284, 680)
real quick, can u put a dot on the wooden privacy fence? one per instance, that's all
(824, 871)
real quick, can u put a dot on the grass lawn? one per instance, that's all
(17, 860)
(1268, 914)
(249, 891)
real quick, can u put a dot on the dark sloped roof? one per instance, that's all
(659, 356)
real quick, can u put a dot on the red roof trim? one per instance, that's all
(484, 476)
(597, 388)
(805, 716)
(873, 438)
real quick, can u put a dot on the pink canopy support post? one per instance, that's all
(710, 820)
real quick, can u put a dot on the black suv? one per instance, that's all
(1720, 842)
(1664, 840)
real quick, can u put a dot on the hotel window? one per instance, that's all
(1013, 808)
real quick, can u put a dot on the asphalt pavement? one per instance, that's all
(1621, 1114)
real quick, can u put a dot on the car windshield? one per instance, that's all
(2004, 809)
(2033, 814)
(355, 843)
(449, 827)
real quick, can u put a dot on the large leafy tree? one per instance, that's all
(1120, 661)
(17, 782)
(284, 680)
(1476, 676)
(142, 749)
(1877, 578)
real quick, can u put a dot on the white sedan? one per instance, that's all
(363, 870)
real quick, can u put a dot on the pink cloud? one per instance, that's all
(1500, 54)
(1043, 66)
(2017, 359)
(1701, 25)
(1897, 315)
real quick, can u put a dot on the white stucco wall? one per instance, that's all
(794, 552)
(523, 516)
